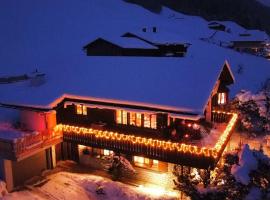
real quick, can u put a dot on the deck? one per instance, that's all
(167, 151)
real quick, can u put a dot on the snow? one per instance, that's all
(71, 186)
(128, 42)
(253, 35)
(247, 163)
(265, 2)
(254, 194)
(160, 37)
(7, 132)
(160, 81)
(40, 36)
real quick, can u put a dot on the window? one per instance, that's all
(84, 109)
(119, 116)
(135, 119)
(146, 162)
(147, 122)
(155, 162)
(153, 121)
(81, 109)
(132, 118)
(139, 160)
(124, 117)
(221, 98)
(138, 119)
(107, 152)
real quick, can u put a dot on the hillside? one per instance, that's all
(251, 14)
(50, 39)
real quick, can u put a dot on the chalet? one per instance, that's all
(144, 44)
(168, 44)
(119, 46)
(151, 110)
(250, 42)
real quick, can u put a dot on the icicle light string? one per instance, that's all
(165, 145)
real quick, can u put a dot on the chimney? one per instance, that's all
(144, 29)
(154, 29)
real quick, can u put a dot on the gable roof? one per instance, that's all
(124, 42)
(171, 83)
(252, 35)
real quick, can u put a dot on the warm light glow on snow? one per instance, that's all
(157, 191)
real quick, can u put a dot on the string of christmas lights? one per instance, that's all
(165, 145)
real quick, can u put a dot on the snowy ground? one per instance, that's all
(70, 186)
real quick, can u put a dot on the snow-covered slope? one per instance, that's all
(49, 36)
(70, 186)
(265, 2)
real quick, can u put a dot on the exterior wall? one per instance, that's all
(101, 47)
(29, 167)
(37, 121)
(208, 110)
(107, 117)
(68, 115)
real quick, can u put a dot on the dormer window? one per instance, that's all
(81, 109)
(221, 98)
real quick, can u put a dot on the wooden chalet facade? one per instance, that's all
(132, 44)
(103, 47)
(248, 43)
(150, 136)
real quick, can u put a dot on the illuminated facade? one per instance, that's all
(86, 129)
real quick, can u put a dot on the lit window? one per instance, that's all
(146, 161)
(132, 120)
(81, 109)
(107, 152)
(84, 108)
(138, 119)
(147, 120)
(155, 162)
(153, 121)
(221, 98)
(124, 115)
(138, 159)
(119, 116)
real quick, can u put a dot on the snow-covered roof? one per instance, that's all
(54, 47)
(251, 35)
(128, 42)
(181, 84)
(8, 133)
(159, 37)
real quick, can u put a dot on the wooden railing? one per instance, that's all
(35, 140)
(178, 153)
(129, 147)
(220, 117)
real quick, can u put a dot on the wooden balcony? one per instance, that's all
(178, 153)
(28, 144)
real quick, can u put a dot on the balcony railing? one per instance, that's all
(29, 142)
(178, 153)
(36, 140)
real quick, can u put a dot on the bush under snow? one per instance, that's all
(247, 163)
(254, 110)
